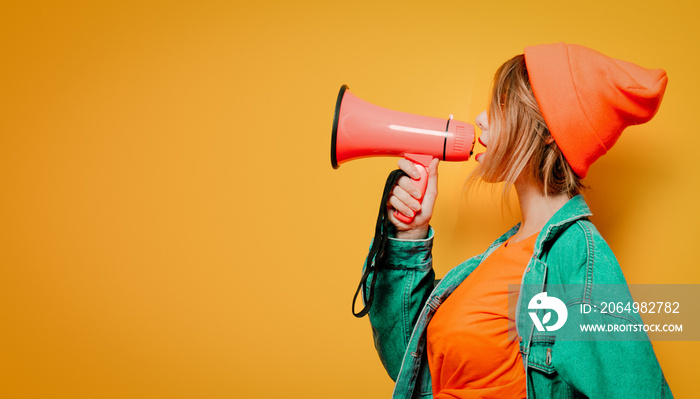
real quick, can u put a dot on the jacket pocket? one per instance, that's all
(542, 354)
(543, 380)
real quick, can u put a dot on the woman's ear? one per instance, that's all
(549, 140)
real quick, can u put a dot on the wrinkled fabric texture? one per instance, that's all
(568, 250)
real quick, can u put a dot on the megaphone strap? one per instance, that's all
(376, 257)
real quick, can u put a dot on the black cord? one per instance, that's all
(376, 257)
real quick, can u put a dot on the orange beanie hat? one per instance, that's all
(587, 99)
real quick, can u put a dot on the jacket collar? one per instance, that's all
(574, 209)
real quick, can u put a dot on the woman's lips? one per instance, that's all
(478, 156)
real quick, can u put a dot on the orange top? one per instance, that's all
(472, 351)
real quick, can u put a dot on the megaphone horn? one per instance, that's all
(362, 129)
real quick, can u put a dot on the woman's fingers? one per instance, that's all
(396, 222)
(407, 185)
(396, 203)
(408, 167)
(407, 192)
(406, 199)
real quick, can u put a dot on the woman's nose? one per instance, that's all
(482, 121)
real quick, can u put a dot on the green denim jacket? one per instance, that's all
(568, 250)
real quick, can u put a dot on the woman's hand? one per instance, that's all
(405, 199)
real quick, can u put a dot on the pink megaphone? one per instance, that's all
(362, 129)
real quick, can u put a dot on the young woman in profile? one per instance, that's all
(554, 110)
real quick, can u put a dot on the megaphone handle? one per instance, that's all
(421, 162)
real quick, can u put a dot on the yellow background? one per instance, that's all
(171, 223)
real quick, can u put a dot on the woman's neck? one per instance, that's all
(536, 208)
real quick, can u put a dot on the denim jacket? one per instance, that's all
(568, 250)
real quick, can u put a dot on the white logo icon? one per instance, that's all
(542, 301)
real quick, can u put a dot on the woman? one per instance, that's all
(553, 112)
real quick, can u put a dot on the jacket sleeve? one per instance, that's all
(402, 288)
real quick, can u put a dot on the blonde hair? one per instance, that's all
(520, 142)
